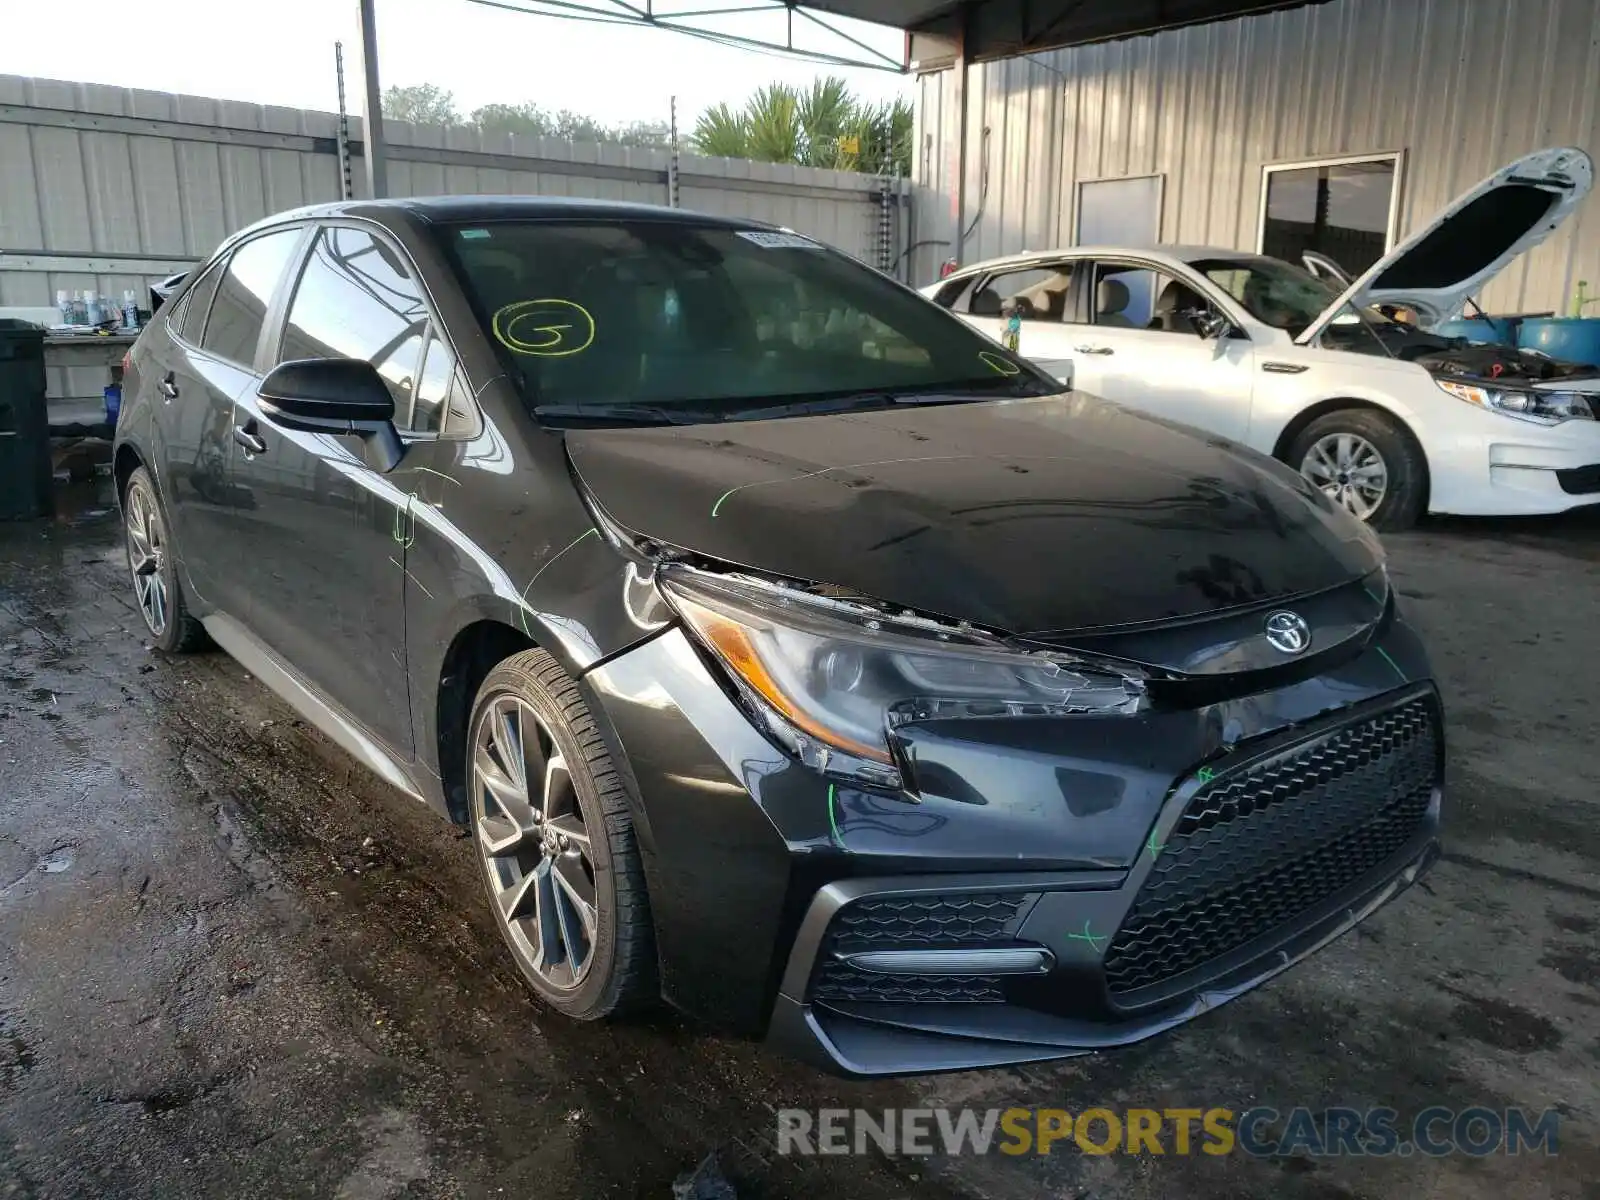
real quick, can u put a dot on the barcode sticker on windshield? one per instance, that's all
(775, 240)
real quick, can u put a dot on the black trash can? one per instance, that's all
(24, 423)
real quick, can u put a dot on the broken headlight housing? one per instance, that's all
(831, 679)
(1545, 407)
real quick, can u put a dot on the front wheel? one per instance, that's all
(1366, 463)
(555, 841)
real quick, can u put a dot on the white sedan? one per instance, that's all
(1386, 418)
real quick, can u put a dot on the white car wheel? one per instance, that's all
(1350, 471)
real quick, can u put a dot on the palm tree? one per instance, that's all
(823, 127)
(827, 113)
(772, 125)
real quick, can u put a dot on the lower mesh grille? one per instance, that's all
(929, 922)
(840, 981)
(1257, 849)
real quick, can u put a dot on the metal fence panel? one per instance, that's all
(111, 188)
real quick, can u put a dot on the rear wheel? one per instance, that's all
(154, 571)
(1365, 462)
(555, 839)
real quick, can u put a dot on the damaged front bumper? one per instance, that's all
(1044, 887)
(1246, 872)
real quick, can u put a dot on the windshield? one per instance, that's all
(1272, 291)
(664, 320)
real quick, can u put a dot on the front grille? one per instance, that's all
(927, 922)
(1259, 848)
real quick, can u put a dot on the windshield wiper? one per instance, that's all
(964, 392)
(624, 414)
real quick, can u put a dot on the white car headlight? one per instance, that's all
(1547, 408)
(830, 679)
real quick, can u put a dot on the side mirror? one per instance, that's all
(334, 395)
(1207, 323)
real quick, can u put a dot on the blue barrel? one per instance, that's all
(113, 395)
(1570, 339)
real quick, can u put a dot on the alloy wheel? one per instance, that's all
(147, 559)
(1349, 471)
(534, 843)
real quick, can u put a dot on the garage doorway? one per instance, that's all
(1120, 212)
(1123, 213)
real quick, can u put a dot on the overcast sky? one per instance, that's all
(281, 52)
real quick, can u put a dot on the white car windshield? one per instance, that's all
(1272, 291)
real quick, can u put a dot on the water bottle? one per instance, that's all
(79, 313)
(130, 311)
(91, 307)
(64, 306)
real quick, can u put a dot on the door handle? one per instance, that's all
(247, 437)
(1094, 349)
(169, 386)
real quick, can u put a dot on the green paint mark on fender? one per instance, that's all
(1153, 846)
(1206, 775)
(833, 820)
(1392, 664)
(522, 609)
(1094, 939)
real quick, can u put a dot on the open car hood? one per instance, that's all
(1452, 257)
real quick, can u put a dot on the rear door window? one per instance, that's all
(196, 303)
(1039, 293)
(240, 309)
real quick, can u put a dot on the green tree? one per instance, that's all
(825, 126)
(721, 133)
(422, 103)
(883, 134)
(827, 113)
(772, 125)
(524, 120)
(529, 120)
(650, 135)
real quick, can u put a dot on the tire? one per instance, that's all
(153, 569)
(586, 966)
(1318, 451)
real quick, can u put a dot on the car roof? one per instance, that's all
(468, 209)
(1178, 251)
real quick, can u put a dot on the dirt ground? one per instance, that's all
(232, 963)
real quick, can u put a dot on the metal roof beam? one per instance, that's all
(694, 18)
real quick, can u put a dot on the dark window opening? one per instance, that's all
(1337, 209)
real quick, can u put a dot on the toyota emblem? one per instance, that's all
(1288, 632)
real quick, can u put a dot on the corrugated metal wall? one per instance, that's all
(108, 188)
(1460, 86)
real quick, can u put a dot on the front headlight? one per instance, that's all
(830, 679)
(1547, 408)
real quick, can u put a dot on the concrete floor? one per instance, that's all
(231, 963)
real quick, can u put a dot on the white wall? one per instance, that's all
(1460, 86)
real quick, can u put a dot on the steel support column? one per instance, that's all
(375, 152)
(958, 201)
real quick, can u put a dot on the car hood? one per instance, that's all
(1024, 516)
(1452, 257)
